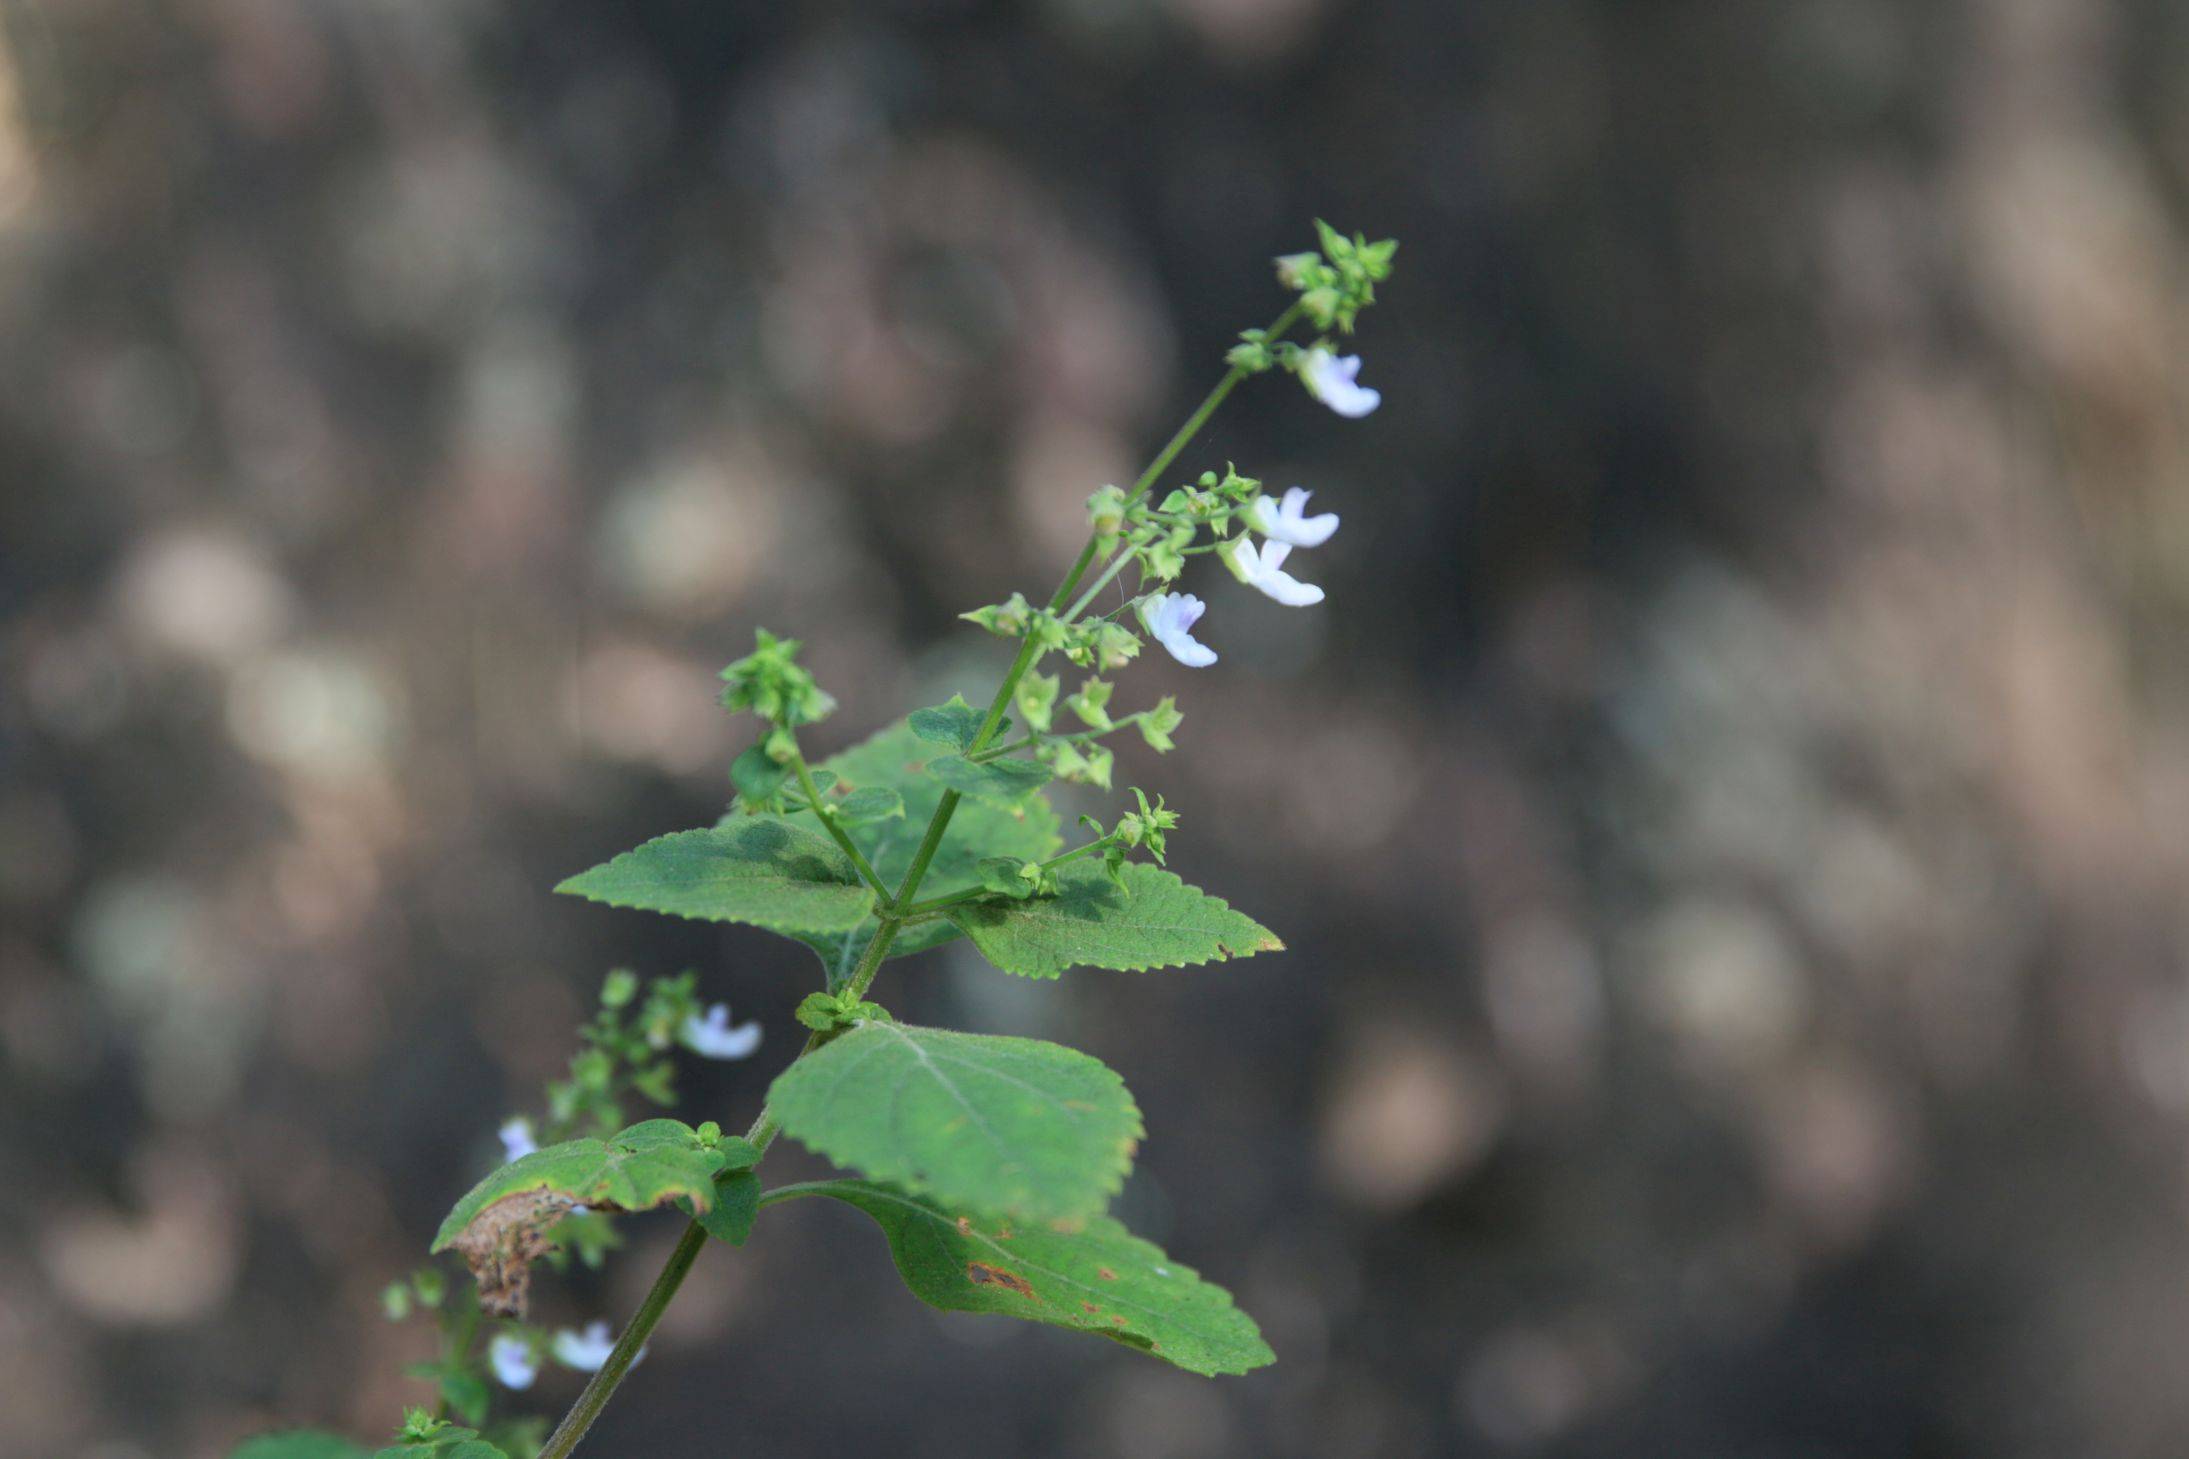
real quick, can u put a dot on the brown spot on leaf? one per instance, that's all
(965, 1226)
(981, 1274)
(1116, 1321)
(503, 1241)
(1004, 1232)
(1106, 1274)
(1089, 1307)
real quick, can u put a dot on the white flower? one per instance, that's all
(584, 1351)
(517, 1139)
(1169, 617)
(513, 1360)
(1333, 380)
(713, 1037)
(1263, 569)
(1290, 523)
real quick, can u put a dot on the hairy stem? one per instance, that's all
(894, 911)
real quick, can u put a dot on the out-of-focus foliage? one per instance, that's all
(1743, 808)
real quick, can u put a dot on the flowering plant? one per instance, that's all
(987, 1162)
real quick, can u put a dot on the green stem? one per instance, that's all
(602, 1386)
(793, 1191)
(997, 752)
(1109, 575)
(894, 911)
(828, 824)
(933, 905)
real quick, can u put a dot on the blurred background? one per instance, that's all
(1728, 821)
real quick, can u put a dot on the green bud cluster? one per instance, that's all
(1089, 643)
(826, 1012)
(769, 682)
(1335, 284)
(1146, 826)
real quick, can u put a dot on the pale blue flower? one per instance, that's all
(1169, 619)
(584, 1351)
(515, 1364)
(1335, 381)
(1262, 568)
(714, 1038)
(517, 1141)
(1290, 523)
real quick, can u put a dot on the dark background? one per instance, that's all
(1728, 820)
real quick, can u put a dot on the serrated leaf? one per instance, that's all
(500, 1225)
(1153, 920)
(955, 724)
(1098, 1279)
(1003, 783)
(299, 1444)
(1003, 1126)
(897, 758)
(756, 869)
(449, 1441)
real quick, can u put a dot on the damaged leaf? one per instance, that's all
(1098, 1278)
(501, 1226)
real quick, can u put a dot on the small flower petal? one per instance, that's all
(584, 1351)
(714, 1038)
(514, 1363)
(1290, 523)
(1169, 619)
(1262, 569)
(1334, 380)
(517, 1141)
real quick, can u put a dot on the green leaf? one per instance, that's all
(430, 1440)
(298, 1444)
(756, 775)
(756, 869)
(1006, 877)
(1153, 921)
(500, 1225)
(1004, 1126)
(736, 1202)
(467, 1396)
(897, 758)
(1002, 783)
(736, 1194)
(869, 803)
(1099, 1279)
(955, 724)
